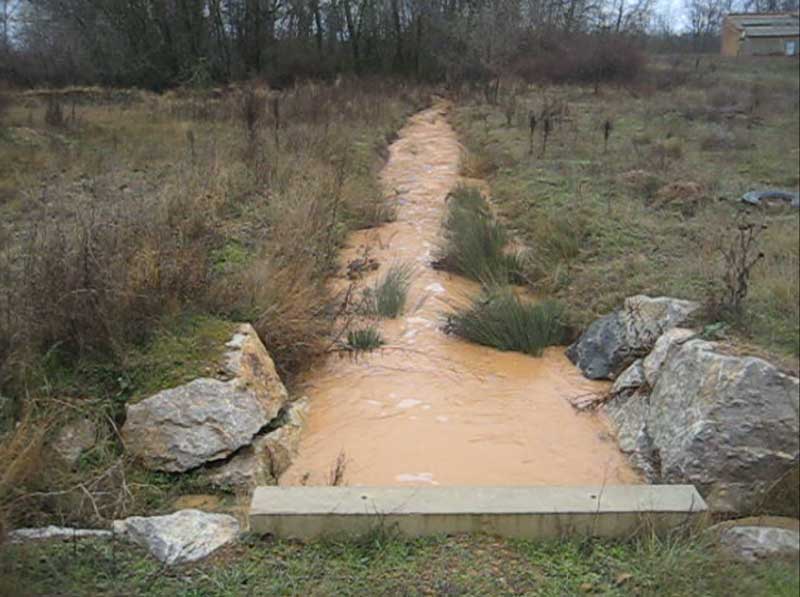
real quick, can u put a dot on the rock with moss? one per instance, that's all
(612, 343)
(208, 419)
(727, 424)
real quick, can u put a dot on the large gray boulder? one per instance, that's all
(267, 458)
(185, 536)
(613, 342)
(207, 419)
(727, 424)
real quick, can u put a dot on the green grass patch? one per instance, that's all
(501, 319)
(476, 244)
(183, 350)
(231, 257)
(465, 566)
(364, 339)
(387, 298)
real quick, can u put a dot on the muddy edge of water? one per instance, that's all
(430, 409)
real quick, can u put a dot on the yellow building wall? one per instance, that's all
(730, 39)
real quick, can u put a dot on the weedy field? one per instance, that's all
(135, 228)
(636, 188)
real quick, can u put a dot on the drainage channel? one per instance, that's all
(429, 409)
(433, 435)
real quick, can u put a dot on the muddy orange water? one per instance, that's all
(431, 409)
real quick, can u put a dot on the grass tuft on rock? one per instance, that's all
(500, 319)
(364, 339)
(476, 243)
(388, 297)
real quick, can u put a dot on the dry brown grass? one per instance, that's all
(142, 209)
(646, 212)
(20, 461)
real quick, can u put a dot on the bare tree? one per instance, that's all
(163, 42)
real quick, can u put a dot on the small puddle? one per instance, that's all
(431, 409)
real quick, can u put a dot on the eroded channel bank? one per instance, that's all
(432, 409)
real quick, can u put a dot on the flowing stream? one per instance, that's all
(431, 409)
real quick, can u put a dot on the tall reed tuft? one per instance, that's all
(388, 297)
(501, 319)
(475, 243)
(364, 339)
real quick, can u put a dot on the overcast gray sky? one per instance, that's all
(675, 10)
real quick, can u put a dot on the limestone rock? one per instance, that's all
(630, 380)
(208, 419)
(185, 536)
(613, 342)
(281, 445)
(727, 424)
(754, 542)
(73, 439)
(205, 420)
(54, 532)
(664, 345)
(245, 470)
(249, 362)
(270, 454)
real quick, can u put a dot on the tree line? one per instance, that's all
(159, 43)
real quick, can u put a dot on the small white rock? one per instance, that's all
(54, 532)
(185, 536)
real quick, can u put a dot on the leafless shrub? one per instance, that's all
(510, 102)
(608, 126)
(5, 104)
(579, 59)
(546, 134)
(491, 91)
(54, 115)
(532, 122)
(739, 253)
(252, 111)
(666, 151)
(758, 97)
(276, 119)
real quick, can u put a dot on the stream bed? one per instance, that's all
(429, 408)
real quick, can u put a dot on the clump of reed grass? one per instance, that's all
(476, 243)
(364, 339)
(500, 319)
(388, 297)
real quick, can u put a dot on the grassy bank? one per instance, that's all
(385, 566)
(651, 209)
(136, 228)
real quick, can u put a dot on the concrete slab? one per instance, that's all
(517, 512)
